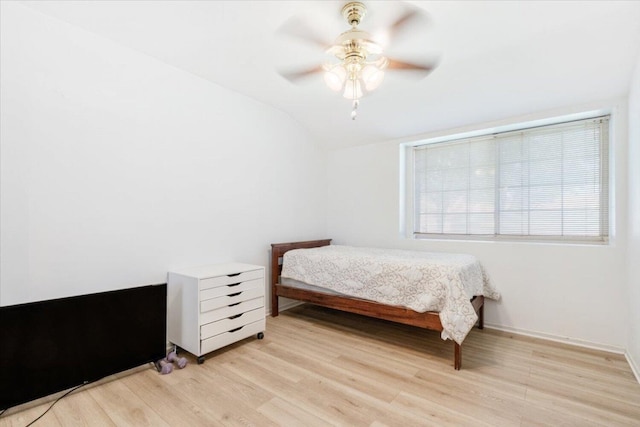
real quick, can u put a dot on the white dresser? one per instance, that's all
(212, 306)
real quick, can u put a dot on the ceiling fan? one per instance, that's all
(358, 63)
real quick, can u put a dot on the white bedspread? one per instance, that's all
(421, 281)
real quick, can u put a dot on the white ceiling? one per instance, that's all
(498, 59)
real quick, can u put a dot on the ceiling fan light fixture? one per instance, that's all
(372, 77)
(334, 77)
(359, 64)
(353, 89)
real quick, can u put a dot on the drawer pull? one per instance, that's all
(234, 284)
(231, 305)
(233, 275)
(234, 295)
(236, 316)
(236, 329)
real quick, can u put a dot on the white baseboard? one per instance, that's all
(557, 338)
(635, 368)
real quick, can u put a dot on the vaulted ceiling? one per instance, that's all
(497, 59)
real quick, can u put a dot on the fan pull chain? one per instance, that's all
(354, 112)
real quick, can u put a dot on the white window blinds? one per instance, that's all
(547, 182)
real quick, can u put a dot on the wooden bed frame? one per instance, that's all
(429, 320)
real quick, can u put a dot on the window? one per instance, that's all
(547, 182)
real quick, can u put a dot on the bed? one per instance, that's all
(332, 296)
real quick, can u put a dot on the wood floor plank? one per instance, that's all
(435, 414)
(123, 406)
(157, 392)
(220, 408)
(319, 367)
(81, 409)
(225, 397)
(26, 416)
(301, 399)
(580, 402)
(483, 404)
(283, 413)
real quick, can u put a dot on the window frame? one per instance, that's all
(407, 182)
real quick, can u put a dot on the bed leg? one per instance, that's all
(457, 362)
(275, 272)
(274, 304)
(481, 317)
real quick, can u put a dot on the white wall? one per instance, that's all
(117, 167)
(634, 220)
(567, 292)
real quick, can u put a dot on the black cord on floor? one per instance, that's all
(3, 411)
(56, 401)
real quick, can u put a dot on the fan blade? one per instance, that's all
(294, 76)
(395, 64)
(405, 22)
(295, 27)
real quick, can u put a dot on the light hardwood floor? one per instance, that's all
(318, 367)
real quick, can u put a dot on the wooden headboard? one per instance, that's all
(277, 251)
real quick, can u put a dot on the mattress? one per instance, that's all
(420, 281)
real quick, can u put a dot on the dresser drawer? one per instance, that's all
(225, 325)
(230, 337)
(213, 282)
(231, 299)
(220, 291)
(229, 311)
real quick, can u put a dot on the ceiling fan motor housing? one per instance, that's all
(353, 12)
(354, 45)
